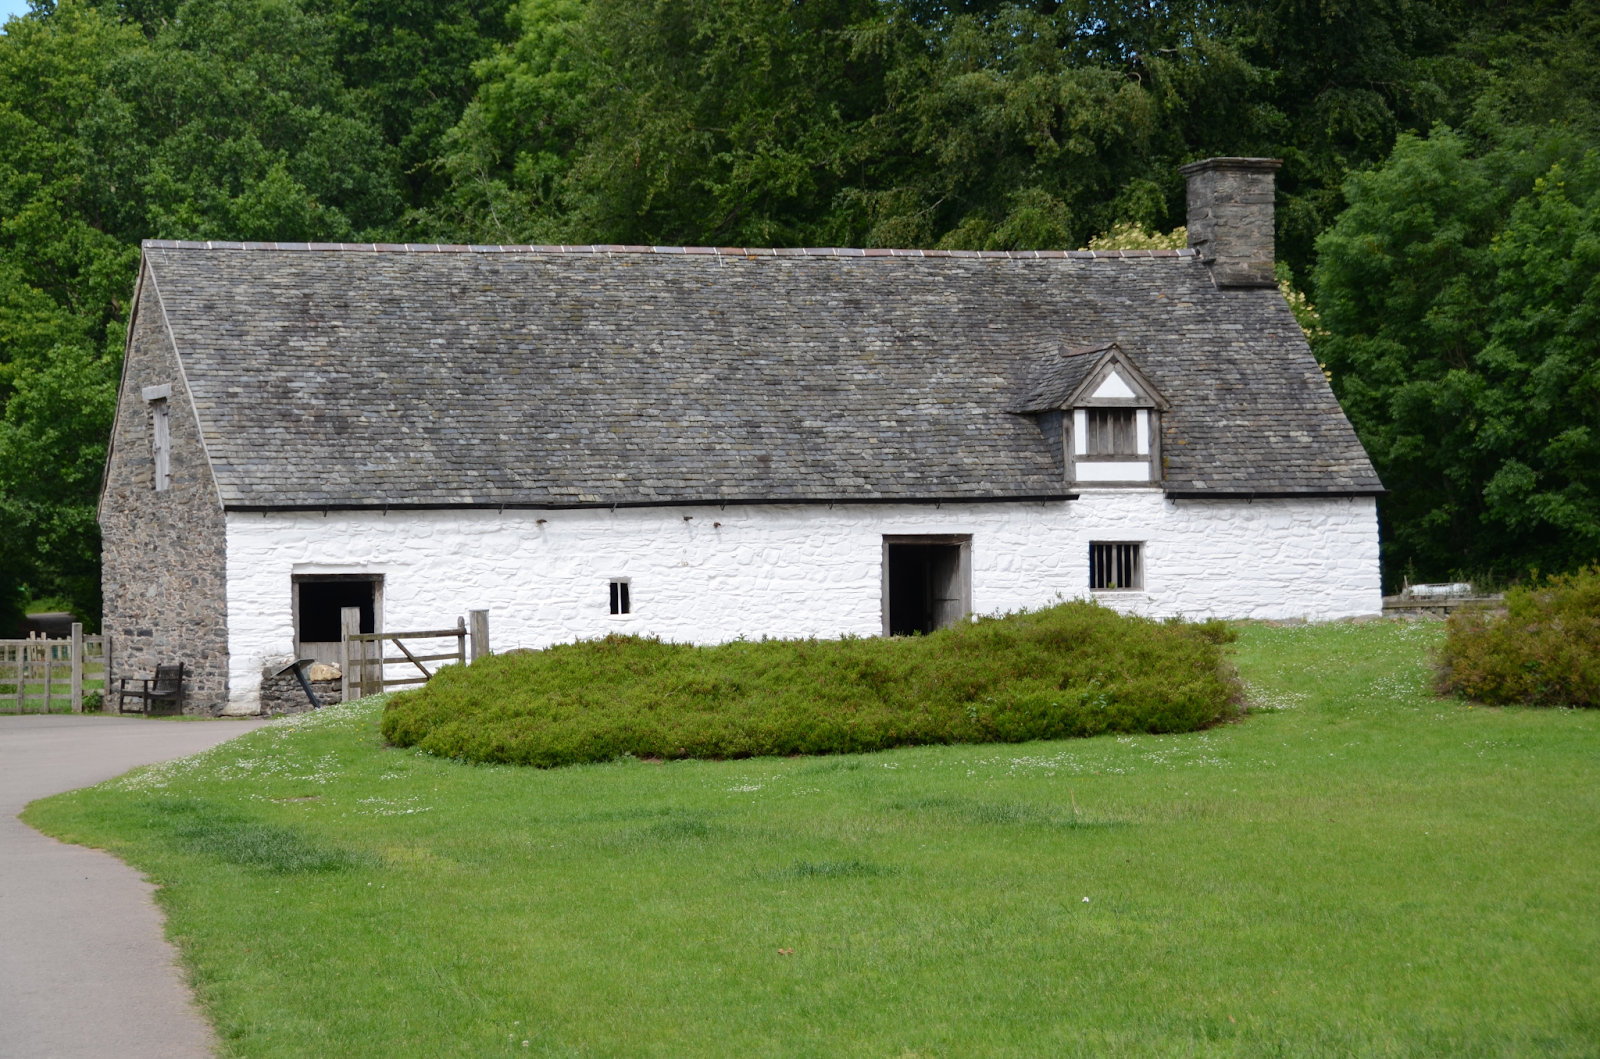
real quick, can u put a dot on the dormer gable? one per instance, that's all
(1113, 381)
(1109, 415)
(1114, 389)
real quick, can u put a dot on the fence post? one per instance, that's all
(349, 622)
(479, 622)
(77, 667)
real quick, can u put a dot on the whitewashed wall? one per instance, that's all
(787, 570)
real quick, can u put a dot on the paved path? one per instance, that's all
(84, 968)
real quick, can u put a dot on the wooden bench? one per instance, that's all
(165, 686)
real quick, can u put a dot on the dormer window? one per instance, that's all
(1115, 423)
(1104, 410)
(1110, 431)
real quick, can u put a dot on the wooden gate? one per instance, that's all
(39, 674)
(365, 658)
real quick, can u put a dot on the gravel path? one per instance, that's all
(84, 967)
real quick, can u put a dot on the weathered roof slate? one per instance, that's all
(1057, 373)
(373, 375)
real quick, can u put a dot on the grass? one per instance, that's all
(1354, 869)
(1074, 669)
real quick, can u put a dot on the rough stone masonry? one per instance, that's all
(163, 569)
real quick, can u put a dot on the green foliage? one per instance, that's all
(1129, 235)
(410, 63)
(911, 124)
(1366, 871)
(205, 119)
(848, 122)
(1075, 669)
(1461, 290)
(1544, 651)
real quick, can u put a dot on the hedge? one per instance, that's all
(1076, 669)
(1544, 650)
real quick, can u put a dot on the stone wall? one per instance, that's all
(707, 574)
(1231, 208)
(281, 695)
(163, 565)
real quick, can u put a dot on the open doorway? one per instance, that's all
(318, 601)
(928, 583)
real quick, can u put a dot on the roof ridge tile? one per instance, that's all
(632, 248)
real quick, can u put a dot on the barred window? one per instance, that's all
(1112, 432)
(619, 598)
(1115, 566)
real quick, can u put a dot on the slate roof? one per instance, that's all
(339, 376)
(1056, 374)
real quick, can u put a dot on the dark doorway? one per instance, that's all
(319, 599)
(928, 585)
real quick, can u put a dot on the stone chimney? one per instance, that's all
(1230, 218)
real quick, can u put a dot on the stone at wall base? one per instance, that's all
(283, 695)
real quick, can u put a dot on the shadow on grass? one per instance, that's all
(1002, 814)
(195, 825)
(834, 869)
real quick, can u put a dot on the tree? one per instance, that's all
(1461, 290)
(208, 119)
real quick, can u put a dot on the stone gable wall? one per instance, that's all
(163, 566)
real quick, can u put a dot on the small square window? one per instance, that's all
(619, 598)
(1116, 566)
(1112, 432)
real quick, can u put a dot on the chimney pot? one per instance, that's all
(1231, 218)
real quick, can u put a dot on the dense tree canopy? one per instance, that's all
(1462, 296)
(1438, 198)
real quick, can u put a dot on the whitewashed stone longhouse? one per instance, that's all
(701, 444)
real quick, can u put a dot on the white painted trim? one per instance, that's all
(1114, 388)
(1143, 433)
(1080, 431)
(1119, 471)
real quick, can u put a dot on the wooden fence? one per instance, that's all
(1440, 607)
(39, 674)
(364, 659)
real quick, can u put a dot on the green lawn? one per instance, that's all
(1359, 869)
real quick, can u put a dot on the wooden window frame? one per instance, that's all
(963, 572)
(159, 398)
(296, 580)
(1138, 565)
(1073, 432)
(1147, 405)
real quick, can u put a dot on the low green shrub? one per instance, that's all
(1075, 669)
(1544, 650)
